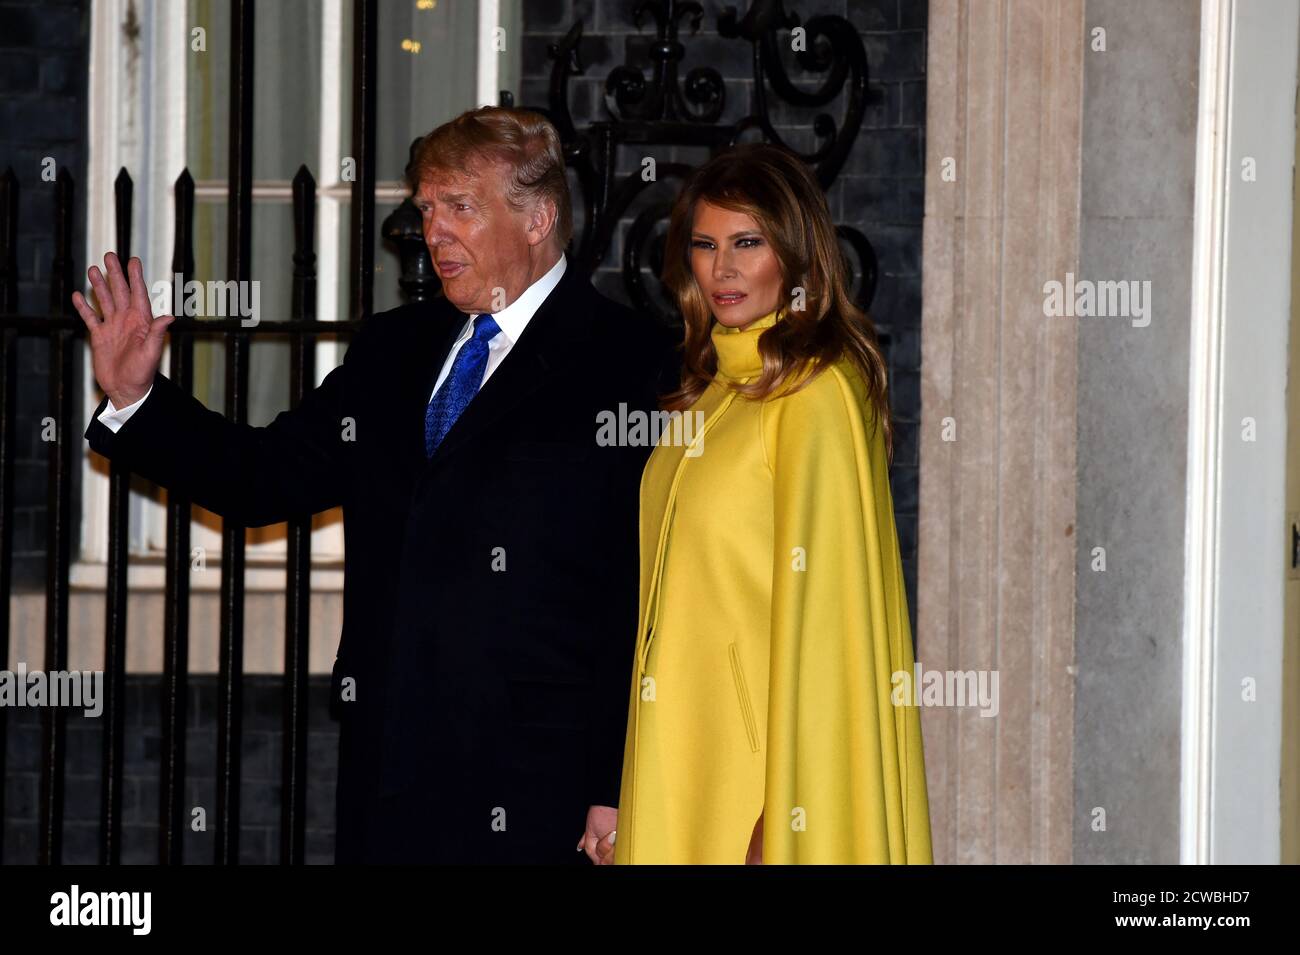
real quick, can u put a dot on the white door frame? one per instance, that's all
(1236, 487)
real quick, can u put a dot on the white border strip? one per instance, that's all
(489, 70)
(1200, 596)
(103, 110)
(329, 189)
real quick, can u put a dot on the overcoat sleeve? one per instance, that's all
(252, 475)
(845, 775)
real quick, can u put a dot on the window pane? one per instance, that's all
(286, 98)
(209, 265)
(428, 62)
(207, 91)
(286, 83)
(427, 73)
(268, 379)
(388, 266)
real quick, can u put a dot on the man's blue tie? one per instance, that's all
(461, 385)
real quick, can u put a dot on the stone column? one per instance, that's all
(996, 542)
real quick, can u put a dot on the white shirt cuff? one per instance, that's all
(113, 418)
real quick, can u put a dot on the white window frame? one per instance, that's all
(140, 132)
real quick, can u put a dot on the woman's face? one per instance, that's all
(734, 265)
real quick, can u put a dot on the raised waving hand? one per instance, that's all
(126, 341)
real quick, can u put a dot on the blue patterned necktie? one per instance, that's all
(461, 384)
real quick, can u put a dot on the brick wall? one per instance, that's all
(880, 190)
(44, 49)
(259, 833)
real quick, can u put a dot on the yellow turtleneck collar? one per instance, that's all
(737, 348)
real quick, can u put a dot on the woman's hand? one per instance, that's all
(598, 838)
(755, 854)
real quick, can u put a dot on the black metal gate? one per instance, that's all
(661, 111)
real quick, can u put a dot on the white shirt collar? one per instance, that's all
(512, 319)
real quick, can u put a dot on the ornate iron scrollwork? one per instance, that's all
(663, 110)
(842, 57)
(632, 99)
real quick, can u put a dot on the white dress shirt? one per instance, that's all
(512, 320)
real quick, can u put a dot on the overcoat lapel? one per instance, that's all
(547, 344)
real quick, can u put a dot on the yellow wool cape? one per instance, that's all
(772, 619)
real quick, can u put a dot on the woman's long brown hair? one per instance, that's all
(779, 192)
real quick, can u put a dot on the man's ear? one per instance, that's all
(541, 221)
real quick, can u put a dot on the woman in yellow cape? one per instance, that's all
(762, 724)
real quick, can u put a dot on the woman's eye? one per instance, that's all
(748, 243)
(701, 244)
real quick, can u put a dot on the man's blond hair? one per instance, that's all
(523, 141)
